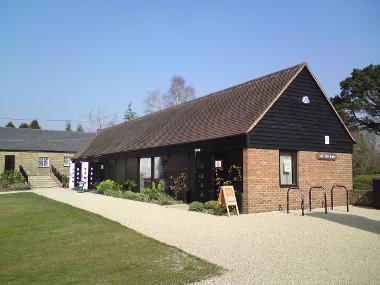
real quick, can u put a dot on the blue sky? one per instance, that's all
(61, 59)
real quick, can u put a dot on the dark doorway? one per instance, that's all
(9, 163)
(203, 177)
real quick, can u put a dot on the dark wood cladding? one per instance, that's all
(293, 125)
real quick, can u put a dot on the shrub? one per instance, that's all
(365, 182)
(12, 181)
(220, 210)
(7, 178)
(179, 185)
(65, 181)
(130, 195)
(196, 206)
(129, 185)
(107, 186)
(155, 191)
(117, 193)
(211, 205)
(19, 186)
(165, 199)
(361, 198)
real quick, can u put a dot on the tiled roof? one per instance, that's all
(226, 113)
(42, 140)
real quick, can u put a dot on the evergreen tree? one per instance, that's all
(23, 126)
(10, 125)
(68, 126)
(80, 128)
(359, 100)
(130, 115)
(34, 125)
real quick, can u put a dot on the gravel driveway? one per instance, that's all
(265, 248)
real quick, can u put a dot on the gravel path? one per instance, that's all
(265, 248)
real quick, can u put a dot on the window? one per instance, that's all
(288, 168)
(160, 167)
(43, 162)
(66, 161)
(145, 172)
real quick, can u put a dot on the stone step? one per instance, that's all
(42, 182)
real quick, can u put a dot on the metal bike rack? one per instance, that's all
(302, 199)
(332, 195)
(324, 196)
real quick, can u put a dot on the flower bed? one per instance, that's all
(155, 194)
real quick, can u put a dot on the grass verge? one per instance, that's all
(46, 242)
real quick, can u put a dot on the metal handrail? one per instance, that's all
(302, 199)
(57, 174)
(24, 174)
(324, 196)
(332, 195)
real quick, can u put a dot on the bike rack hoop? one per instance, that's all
(332, 195)
(324, 196)
(302, 199)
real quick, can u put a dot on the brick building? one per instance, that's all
(281, 129)
(38, 150)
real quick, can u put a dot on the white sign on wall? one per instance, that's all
(327, 139)
(287, 165)
(305, 100)
(218, 163)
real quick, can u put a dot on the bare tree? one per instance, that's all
(178, 92)
(153, 102)
(100, 120)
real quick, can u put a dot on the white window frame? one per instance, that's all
(43, 162)
(68, 162)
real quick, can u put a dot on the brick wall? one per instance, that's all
(29, 160)
(261, 179)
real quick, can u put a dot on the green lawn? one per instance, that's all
(47, 242)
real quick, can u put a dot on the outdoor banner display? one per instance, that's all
(72, 176)
(85, 175)
(228, 198)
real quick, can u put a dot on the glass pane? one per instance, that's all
(159, 170)
(145, 172)
(286, 168)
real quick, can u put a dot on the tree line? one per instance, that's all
(33, 125)
(358, 104)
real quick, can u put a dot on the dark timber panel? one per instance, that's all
(291, 124)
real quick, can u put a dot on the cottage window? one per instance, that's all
(66, 161)
(288, 168)
(43, 162)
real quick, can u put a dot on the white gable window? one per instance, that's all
(43, 162)
(66, 161)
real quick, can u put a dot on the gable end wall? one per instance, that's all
(293, 125)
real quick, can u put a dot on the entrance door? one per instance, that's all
(9, 163)
(203, 177)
